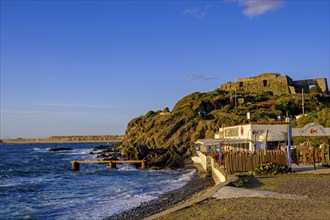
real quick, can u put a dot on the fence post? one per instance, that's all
(328, 156)
(322, 154)
(297, 155)
(227, 163)
(314, 158)
(289, 146)
(220, 153)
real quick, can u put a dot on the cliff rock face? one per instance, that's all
(165, 138)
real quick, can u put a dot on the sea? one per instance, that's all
(36, 183)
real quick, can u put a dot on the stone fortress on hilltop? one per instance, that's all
(275, 83)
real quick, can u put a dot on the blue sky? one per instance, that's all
(89, 67)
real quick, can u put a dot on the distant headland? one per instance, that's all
(65, 139)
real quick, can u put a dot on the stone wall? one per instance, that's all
(305, 84)
(275, 83)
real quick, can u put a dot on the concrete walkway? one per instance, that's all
(230, 192)
(227, 192)
(301, 168)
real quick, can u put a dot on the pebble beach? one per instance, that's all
(314, 204)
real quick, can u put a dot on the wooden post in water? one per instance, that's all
(143, 164)
(111, 165)
(75, 165)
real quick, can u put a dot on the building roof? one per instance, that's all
(224, 141)
(259, 123)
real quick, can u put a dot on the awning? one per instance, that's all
(208, 141)
(223, 141)
(234, 141)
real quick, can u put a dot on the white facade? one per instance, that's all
(251, 137)
(207, 145)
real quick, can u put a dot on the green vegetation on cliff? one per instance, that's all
(321, 117)
(164, 138)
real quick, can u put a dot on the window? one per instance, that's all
(265, 82)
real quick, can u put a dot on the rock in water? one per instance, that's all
(60, 148)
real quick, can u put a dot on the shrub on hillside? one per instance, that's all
(267, 103)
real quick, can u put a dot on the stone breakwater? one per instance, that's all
(65, 139)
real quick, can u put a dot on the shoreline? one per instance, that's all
(56, 142)
(192, 189)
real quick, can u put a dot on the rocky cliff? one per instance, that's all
(165, 138)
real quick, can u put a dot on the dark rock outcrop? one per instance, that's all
(60, 148)
(164, 141)
(106, 152)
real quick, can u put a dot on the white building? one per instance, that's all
(247, 137)
(207, 145)
(251, 137)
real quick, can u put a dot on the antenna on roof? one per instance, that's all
(302, 101)
(235, 93)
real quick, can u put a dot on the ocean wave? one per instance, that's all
(126, 167)
(81, 151)
(186, 177)
(6, 185)
(47, 184)
(100, 209)
(40, 150)
(169, 184)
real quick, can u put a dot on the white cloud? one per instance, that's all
(196, 12)
(258, 7)
(196, 76)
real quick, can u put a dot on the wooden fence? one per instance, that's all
(309, 155)
(240, 161)
(245, 161)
